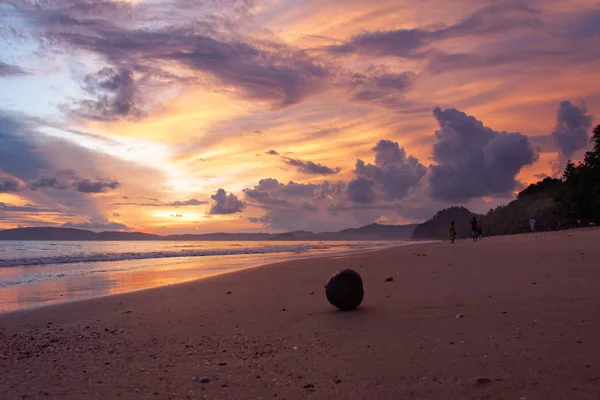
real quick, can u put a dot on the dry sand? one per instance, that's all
(515, 317)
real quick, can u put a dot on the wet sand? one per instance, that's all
(514, 317)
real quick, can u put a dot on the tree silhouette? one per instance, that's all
(579, 198)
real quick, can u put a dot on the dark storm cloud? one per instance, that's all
(9, 186)
(7, 70)
(393, 173)
(412, 43)
(126, 38)
(573, 125)
(310, 167)
(98, 186)
(225, 204)
(472, 160)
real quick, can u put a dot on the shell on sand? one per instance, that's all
(344, 289)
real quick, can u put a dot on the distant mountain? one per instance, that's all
(369, 232)
(437, 226)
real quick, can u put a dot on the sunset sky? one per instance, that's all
(190, 116)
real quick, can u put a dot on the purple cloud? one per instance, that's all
(310, 167)
(393, 174)
(573, 125)
(9, 186)
(472, 160)
(225, 204)
(99, 186)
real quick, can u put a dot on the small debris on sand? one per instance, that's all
(482, 381)
(389, 279)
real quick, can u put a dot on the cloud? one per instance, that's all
(97, 225)
(177, 203)
(379, 84)
(379, 189)
(472, 160)
(99, 186)
(362, 190)
(19, 153)
(9, 186)
(129, 39)
(294, 206)
(67, 179)
(27, 208)
(7, 70)
(412, 43)
(400, 43)
(310, 167)
(393, 174)
(571, 133)
(44, 182)
(117, 95)
(272, 153)
(225, 204)
(190, 202)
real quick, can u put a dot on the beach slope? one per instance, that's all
(514, 317)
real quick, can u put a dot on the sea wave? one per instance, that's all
(103, 257)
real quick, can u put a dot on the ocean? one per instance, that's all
(36, 273)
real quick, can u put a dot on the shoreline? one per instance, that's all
(170, 285)
(468, 321)
(238, 265)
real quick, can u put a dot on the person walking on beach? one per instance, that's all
(474, 228)
(452, 232)
(532, 225)
(480, 230)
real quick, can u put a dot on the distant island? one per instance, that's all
(368, 232)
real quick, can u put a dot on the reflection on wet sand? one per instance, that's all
(108, 278)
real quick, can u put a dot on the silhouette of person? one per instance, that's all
(452, 232)
(474, 228)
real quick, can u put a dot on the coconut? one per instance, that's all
(344, 289)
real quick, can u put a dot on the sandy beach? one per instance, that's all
(512, 317)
